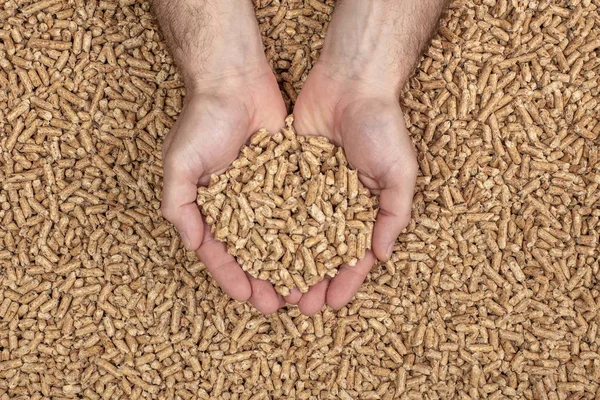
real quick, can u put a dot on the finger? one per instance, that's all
(223, 268)
(395, 202)
(264, 297)
(294, 296)
(347, 282)
(314, 300)
(179, 206)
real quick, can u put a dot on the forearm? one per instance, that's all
(211, 39)
(379, 40)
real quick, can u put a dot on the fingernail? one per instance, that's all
(185, 240)
(388, 253)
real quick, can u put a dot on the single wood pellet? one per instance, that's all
(491, 292)
(290, 209)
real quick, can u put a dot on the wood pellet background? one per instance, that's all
(492, 291)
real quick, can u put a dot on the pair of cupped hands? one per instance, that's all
(220, 114)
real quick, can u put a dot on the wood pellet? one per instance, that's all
(290, 209)
(491, 291)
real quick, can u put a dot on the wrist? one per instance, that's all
(226, 78)
(225, 62)
(362, 75)
(250, 93)
(215, 43)
(365, 42)
(358, 81)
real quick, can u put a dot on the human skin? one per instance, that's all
(230, 94)
(351, 96)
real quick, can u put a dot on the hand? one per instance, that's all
(351, 96)
(206, 138)
(231, 93)
(365, 119)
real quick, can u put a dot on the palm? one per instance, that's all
(224, 130)
(205, 140)
(369, 125)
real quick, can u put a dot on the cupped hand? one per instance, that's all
(364, 118)
(212, 127)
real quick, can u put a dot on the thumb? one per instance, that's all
(395, 202)
(179, 206)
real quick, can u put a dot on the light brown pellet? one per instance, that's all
(310, 219)
(490, 291)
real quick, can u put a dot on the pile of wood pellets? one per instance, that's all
(492, 291)
(290, 209)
